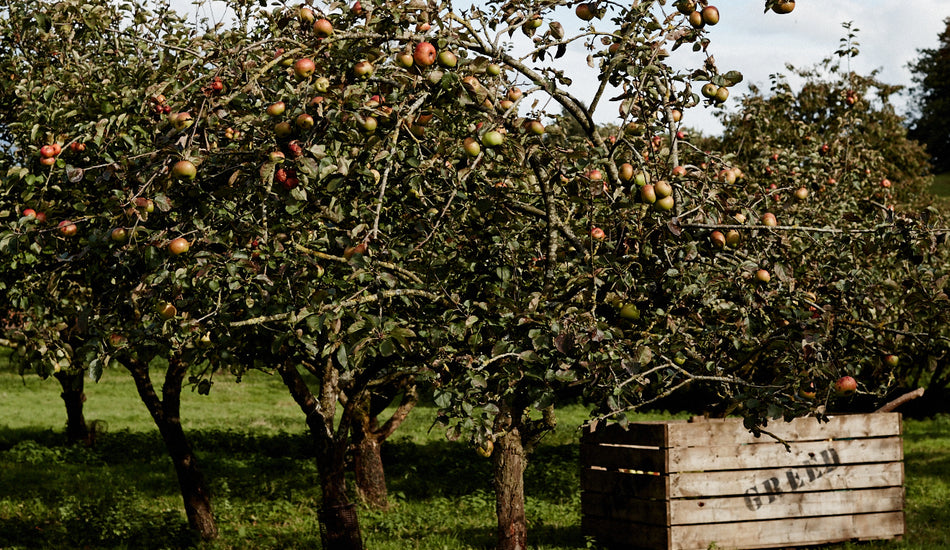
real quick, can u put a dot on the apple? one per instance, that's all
(423, 27)
(77, 147)
(597, 233)
(322, 28)
(306, 15)
(733, 238)
(514, 94)
(801, 193)
(283, 130)
(535, 127)
(166, 310)
(726, 176)
(824, 149)
(626, 172)
(709, 90)
(686, 7)
(67, 228)
(48, 161)
(783, 6)
(629, 312)
(47, 151)
(676, 115)
(181, 121)
(304, 68)
(506, 104)
(845, 386)
(665, 203)
(586, 11)
(648, 194)
(492, 138)
(447, 59)
(369, 124)
(117, 340)
(594, 175)
(663, 188)
(217, 86)
(471, 146)
(886, 183)
(304, 121)
(696, 20)
(493, 69)
(769, 219)
(722, 94)
(891, 360)
(184, 170)
(718, 239)
(119, 234)
(679, 171)
(710, 15)
(276, 109)
(641, 178)
(485, 449)
(424, 54)
(28, 213)
(807, 390)
(351, 251)
(363, 69)
(404, 59)
(763, 276)
(178, 245)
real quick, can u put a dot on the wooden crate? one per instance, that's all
(685, 485)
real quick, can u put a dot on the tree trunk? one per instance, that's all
(74, 397)
(509, 463)
(166, 414)
(368, 466)
(339, 524)
(368, 438)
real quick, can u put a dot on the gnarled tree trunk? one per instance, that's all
(509, 462)
(368, 438)
(166, 412)
(339, 524)
(73, 397)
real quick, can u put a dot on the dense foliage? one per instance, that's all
(932, 100)
(354, 196)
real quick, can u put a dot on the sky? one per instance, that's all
(758, 44)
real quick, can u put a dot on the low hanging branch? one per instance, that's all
(293, 318)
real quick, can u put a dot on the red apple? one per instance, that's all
(891, 360)
(783, 6)
(845, 386)
(322, 28)
(710, 15)
(597, 234)
(184, 170)
(304, 121)
(304, 68)
(769, 219)
(179, 245)
(363, 69)
(471, 146)
(276, 109)
(586, 11)
(763, 276)
(424, 54)
(119, 234)
(67, 228)
(718, 239)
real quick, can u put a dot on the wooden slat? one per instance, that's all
(623, 534)
(776, 506)
(624, 457)
(774, 454)
(716, 431)
(632, 510)
(861, 476)
(637, 433)
(785, 532)
(643, 486)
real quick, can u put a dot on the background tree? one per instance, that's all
(932, 100)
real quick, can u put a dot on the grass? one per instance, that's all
(941, 185)
(252, 446)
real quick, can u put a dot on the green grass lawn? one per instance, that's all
(252, 445)
(941, 185)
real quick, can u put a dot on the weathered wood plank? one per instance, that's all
(775, 506)
(624, 534)
(785, 480)
(773, 454)
(648, 459)
(630, 509)
(636, 433)
(643, 486)
(790, 531)
(716, 431)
